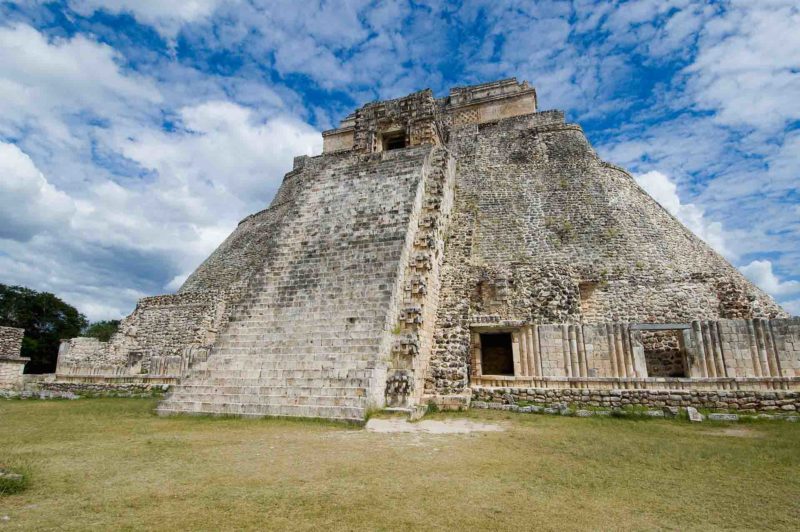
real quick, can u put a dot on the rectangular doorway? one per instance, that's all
(497, 354)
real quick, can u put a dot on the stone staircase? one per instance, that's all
(308, 340)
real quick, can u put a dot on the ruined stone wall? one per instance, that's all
(11, 363)
(10, 342)
(769, 402)
(543, 231)
(11, 373)
(744, 348)
(338, 140)
(416, 115)
(153, 338)
(664, 354)
(728, 354)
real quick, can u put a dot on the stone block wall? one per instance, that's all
(11, 342)
(154, 339)
(414, 115)
(488, 102)
(545, 232)
(743, 354)
(744, 348)
(786, 334)
(11, 373)
(664, 353)
(745, 402)
(12, 364)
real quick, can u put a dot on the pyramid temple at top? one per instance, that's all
(439, 249)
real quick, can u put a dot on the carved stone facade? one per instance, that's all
(435, 240)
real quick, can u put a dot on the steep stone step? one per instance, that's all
(343, 413)
(306, 339)
(246, 399)
(346, 383)
(334, 373)
(284, 391)
(296, 363)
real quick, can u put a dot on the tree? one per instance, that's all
(102, 330)
(46, 319)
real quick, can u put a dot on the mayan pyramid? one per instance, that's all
(435, 244)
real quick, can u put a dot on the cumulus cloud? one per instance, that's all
(743, 72)
(221, 144)
(167, 17)
(760, 272)
(665, 191)
(101, 204)
(57, 96)
(28, 202)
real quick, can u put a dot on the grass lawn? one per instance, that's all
(104, 464)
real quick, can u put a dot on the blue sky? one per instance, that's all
(135, 134)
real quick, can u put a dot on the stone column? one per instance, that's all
(523, 343)
(537, 356)
(515, 351)
(758, 371)
(612, 349)
(565, 349)
(697, 334)
(584, 364)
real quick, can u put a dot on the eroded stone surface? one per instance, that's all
(694, 415)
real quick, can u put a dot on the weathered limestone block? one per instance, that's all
(694, 415)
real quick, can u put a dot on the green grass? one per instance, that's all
(110, 464)
(13, 484)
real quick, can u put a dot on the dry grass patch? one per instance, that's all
(112, 464)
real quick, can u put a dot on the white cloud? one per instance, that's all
(28, 203)
(743, 72)
(665, 191)
(166, 16)
(57, 96)
(760, 272)
(223, 147)
(48, 77)
(72, 225)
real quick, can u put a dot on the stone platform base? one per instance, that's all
(742, 401)
(51, 386)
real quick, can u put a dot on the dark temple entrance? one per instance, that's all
(393, 141)
(497, 356)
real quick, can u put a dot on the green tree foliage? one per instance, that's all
(102, 330)
(46, 319)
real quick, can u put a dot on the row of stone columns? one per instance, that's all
(707, 337)
(620, 350)
(763, 348)
(529, 357)
(710, 349)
